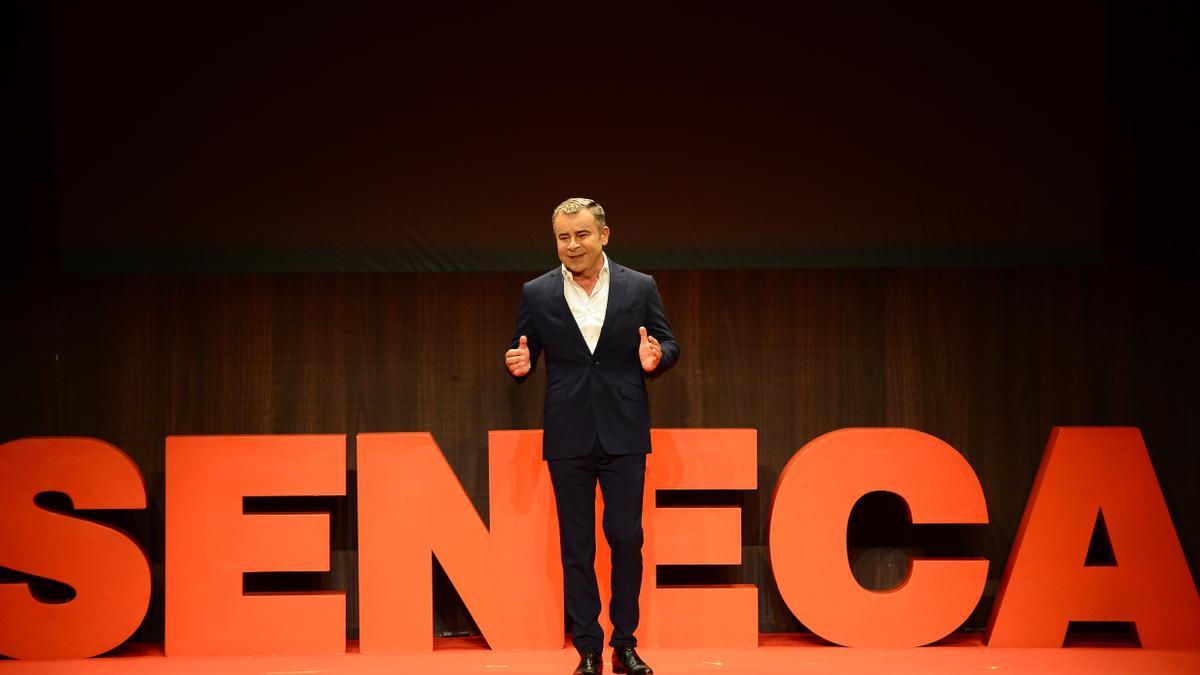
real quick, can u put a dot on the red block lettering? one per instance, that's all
(107, 569)
(211, 542)
(809, 516)
(412, 507)
(1086, 471)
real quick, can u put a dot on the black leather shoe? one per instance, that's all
(590, 663)
(626, 660)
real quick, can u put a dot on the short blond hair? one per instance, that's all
(575, 205)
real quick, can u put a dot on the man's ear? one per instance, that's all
(604, 236)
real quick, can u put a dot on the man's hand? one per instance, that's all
(649, 351)
(517, 359)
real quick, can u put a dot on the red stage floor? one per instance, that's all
(776, 654)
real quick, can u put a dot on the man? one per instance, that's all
(603, 332)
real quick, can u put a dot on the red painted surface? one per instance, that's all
(211, 542)
(1086, 471)
(774, 654)
(107, 569)
(810, 512)
(716, 616)
(412, 508)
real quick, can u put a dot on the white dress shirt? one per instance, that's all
(588, 309)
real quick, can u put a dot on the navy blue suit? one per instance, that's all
(597, 429)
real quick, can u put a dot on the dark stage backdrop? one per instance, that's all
(987, 360)
(953, 217)
(403, 137)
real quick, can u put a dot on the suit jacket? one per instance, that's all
(602, 393)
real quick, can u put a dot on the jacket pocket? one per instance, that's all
(633, 391)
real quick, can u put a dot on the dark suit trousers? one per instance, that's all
(622, 481)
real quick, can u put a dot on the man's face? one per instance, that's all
(580, 242)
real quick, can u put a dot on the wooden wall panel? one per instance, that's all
(986, 359)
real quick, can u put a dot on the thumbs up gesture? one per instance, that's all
(649, 351)
(517, 359)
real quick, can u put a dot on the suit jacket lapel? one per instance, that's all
(616, 299)
(560, 308)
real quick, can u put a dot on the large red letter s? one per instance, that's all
(106, 568)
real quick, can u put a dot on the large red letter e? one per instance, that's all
(211, 542)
